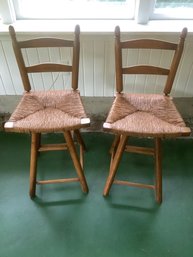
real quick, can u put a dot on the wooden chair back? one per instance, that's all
(148, 69)
(18, 46)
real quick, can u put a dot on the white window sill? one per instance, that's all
(98, 26)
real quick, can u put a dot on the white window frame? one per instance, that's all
(9, 15)
(7, 12)
(141, 16)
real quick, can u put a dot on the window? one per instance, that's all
(163, 9)
(178, 9)
(140, 10)
(74, 9)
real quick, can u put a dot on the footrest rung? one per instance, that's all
(140, 150)
(52, 147)
(55, 181)
(133, 184)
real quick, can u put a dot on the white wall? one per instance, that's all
(97, 74)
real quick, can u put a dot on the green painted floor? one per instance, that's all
(64, 222)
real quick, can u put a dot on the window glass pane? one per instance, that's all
(173, 4)
(178, 9)
(74, 9)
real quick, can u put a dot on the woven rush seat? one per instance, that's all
(48, 111)
(145, 115)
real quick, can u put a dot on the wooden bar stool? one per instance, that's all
(143, 115)
(49, 111)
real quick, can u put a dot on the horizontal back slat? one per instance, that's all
(45, 42)
(145, 69)
(49, 67)
(148, 43)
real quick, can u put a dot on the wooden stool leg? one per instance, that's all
(158, 168)
(82, 146)
(114, 164)
(33, 163)
(38, 140)
(114, 148)
(74, 156)
(80, 139)
(114, 144)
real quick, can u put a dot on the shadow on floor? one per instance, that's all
(64, 222)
